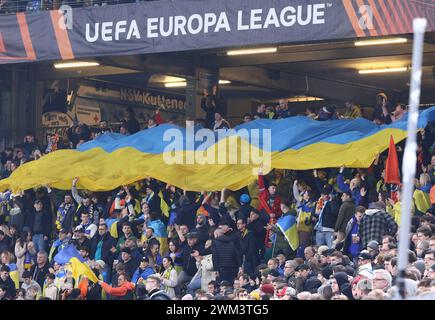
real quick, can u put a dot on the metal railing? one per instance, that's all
(14, 6)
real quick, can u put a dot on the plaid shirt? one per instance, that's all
(375, 226)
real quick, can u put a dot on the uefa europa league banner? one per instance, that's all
(168, 26)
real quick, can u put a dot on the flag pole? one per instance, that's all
(410, 156)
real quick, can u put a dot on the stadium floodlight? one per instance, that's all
(379, 42)
(383, 70)
(76, 64)
(251, 51)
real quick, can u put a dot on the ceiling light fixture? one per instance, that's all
(304, 99)
(75, 64)
(378, 42)
(251, 51)
(383, 70)
(224, 81)
(179, 84)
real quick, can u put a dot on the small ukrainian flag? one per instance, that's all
(287, 225)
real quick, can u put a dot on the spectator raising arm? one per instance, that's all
(74, 191)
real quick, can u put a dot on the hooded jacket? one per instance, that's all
(258, 230)
(186, 212)
(224, 253)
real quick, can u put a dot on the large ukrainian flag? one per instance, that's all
(296, 143)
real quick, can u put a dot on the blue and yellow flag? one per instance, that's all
(14, 274)
(70, 256)
(171, 154)
(287, 225)
(163, 205)
(161, 235)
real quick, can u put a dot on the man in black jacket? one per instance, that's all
(103, 247)
(188, 262)
(7, 283)
(153, 284)
(250, 251)
(224, 256)
(41, 222)
(130, 264)
(345, 213)
(225, 225)
(201, 229)
(327, 217)
(40, 270)
(152, 198)
(256, 224)
(66, 213)
(186, 212)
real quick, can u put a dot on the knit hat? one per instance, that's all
(267, 288)
(244, 198)
(341, 278)
(373, 245)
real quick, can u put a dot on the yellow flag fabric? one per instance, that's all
(226, 159)
(80, 269)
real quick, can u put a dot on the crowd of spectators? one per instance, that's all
(151, 240)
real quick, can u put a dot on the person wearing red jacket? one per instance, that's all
(124, 291)
(270, 202)
(269, 199)
(156, 120)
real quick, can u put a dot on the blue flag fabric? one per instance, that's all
(67, 253)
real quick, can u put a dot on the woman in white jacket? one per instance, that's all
(169, 277)
(205, 266)
(24, 252)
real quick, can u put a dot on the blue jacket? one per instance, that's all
(356, 195)
(140, 273)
